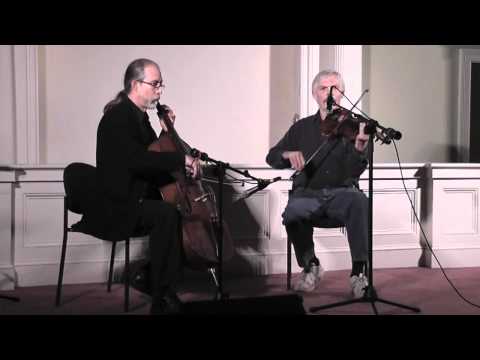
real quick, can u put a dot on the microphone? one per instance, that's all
(330, 101)
(380, 136)
(161, 109)
(393, 134)
(262, 184)
(198, 154)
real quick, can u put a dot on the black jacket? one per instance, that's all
(125, 169)
(341, 167)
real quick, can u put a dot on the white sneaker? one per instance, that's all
(359, 285)
(309, 280)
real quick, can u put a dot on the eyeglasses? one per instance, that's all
(155, 84)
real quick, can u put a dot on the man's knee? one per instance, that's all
(347, 203)
(352, 199)
(300, 209)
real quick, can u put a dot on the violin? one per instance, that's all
(340, 123)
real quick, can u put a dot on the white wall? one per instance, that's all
(233, 102)
(411, 90)
(284, 88)
(221, 95)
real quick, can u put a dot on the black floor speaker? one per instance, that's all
(265, 305)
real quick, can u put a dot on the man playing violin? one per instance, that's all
(326, 187)
(128, 179)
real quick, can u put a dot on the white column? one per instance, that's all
(7, 103)
(348, 62)
(26, 104)
(346, 59)
(309, 67)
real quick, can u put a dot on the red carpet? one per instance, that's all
(424, 288)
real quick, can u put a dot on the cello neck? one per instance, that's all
(162, 113)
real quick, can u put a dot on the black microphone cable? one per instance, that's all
(415, 213)
(425, 236)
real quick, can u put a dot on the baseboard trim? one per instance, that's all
(239, 265)
(7, 278)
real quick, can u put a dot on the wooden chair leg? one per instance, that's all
(110, 271)
(127, 274)
(64, 250)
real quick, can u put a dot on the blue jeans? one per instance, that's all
(305, 207)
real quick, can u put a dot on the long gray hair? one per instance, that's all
(135, 71)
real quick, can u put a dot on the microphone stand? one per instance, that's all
(370, 295)
(221, 168)
(261, 184)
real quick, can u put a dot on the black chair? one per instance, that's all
(323, 222)
(79, 182)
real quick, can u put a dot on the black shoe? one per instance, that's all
(140, 277)
(169, 304)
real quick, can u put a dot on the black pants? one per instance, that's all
(348, 205)
(163, 224)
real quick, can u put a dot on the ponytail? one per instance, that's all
(118, 99)
(135, 71)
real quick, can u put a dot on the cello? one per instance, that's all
(195, 202)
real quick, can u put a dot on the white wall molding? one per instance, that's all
(406, 224)
(26, 104)
(45, 273)
(454, 233)
(7, 273)
(8, 278)
(469, 199)
(445, 197)
(259, 204)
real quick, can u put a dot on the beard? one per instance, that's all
(151, 104)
